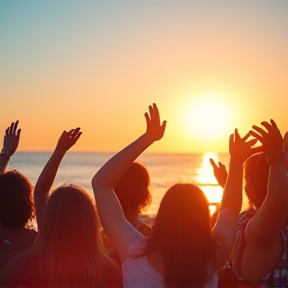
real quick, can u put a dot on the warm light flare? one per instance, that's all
(207, 118)
(206, 179)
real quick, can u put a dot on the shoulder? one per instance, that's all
(144, 228)
(136, 245)
(21, 270)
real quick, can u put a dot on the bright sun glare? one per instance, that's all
(207, 118)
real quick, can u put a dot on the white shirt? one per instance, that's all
(137, 272)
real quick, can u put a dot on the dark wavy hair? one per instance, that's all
(16, 200)
(132, 189)
(256, 171)
(182, 235)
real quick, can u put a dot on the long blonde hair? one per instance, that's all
(70, 242)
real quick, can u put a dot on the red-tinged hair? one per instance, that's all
(182, 234)
(256, 171)
(16, 200)
(133, 189)
(70, 242)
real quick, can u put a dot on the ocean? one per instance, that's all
(164, 170)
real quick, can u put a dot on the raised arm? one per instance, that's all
(47, 176)
(227, 222)
(119, 231)
(240, 149)
(266, 225)
(10, 144)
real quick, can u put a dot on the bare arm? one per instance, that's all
(47, 176)
(119, 231)
(227, 221)
(240, 150)
(10, 144)
(263, 229)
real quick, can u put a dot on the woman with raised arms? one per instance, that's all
(68, 251)
(182, 250)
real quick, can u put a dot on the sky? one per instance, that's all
(210, 66)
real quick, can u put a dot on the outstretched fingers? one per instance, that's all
(151, 112)
(246, 136)
(273, 124)
(15, 127)
(237, 136)
(148, 119)
(155, 129)
(156, 114)
(256, 135)
(212, 162)
(231, 139)
(261, 131)
(163, 126)
(12, 129)
(252, 142)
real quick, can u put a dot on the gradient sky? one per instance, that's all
(210, 66)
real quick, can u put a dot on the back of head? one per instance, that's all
(182, 234)
(256, 171)
(132, 189)
(16, 201)
(70, 239)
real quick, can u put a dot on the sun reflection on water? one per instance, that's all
(207, 182)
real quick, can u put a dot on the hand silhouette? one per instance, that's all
(155, 130)
(11, 138)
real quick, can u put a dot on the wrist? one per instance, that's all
(59, 152)
(4, 154)
(276, 156)
(235, 165)
(148, 139)
(236, 161)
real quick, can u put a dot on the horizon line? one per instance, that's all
(113, 152)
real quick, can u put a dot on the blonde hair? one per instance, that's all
(70, 242)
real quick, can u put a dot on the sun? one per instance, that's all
(207, 118)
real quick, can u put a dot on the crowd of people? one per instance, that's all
(80, 245)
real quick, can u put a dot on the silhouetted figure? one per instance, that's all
(68, 251)
(16, 203)
(134, 195)
(182, 251)
(259, 255)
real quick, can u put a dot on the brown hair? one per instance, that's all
(16, 200)
(256, 171)
(132, 189)
(183, 236)
(70, 241)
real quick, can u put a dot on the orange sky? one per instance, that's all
(99, 65)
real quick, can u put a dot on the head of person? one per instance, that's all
(133, 189)
(70, 240)
(182, 235)
(256, 171)
(16, 200)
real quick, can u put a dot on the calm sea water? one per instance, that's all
(164, 169)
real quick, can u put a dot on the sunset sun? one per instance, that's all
(207, 118)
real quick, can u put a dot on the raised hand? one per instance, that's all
(68, 139)
(155, 130)
(271, 140)
(220, 172)
(240, 149)
(11, 138)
